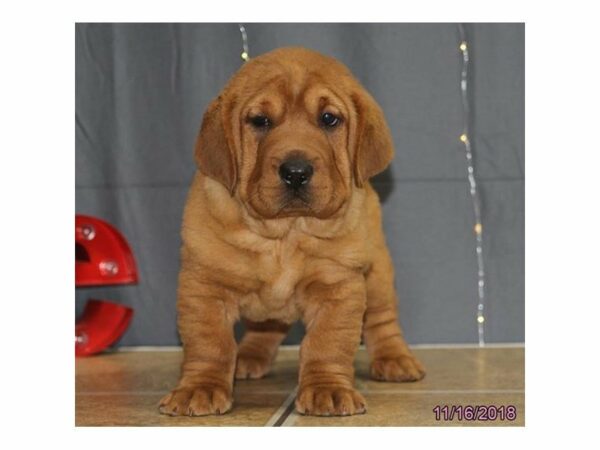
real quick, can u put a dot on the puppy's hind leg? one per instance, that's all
(258, 348)
(391, 359)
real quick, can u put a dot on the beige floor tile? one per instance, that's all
(140, 409)
(417, 409)
(150, 371)
(458, 369)
(123, 388)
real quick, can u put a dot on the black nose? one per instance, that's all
(296, 172)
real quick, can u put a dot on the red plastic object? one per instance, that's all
(102, 255)
(101, 324)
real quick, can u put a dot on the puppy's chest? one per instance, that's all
(279, 269)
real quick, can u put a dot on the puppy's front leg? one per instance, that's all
(205, 320)
(333, 317)
(391, 359)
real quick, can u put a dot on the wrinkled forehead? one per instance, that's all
(288, 92)
(278, 87)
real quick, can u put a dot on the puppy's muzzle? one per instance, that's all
(296, 173)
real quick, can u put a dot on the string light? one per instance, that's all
(478, 227)
(245, 55)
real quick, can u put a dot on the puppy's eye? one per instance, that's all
(260, 121)
(330, 120)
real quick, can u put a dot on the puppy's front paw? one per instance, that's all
(401, 368)
(196, 401)
(330, 401)
(250, 366)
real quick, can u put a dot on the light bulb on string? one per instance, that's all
(474, 193)
(245, 55)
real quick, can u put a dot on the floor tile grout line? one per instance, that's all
(106, 393)
(290, 420)
(292, 395)
(444, 391)
(283, 411)
(458, 346)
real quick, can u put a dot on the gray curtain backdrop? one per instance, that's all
(141, 90)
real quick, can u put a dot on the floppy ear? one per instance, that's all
(374, 148)
(214, 153)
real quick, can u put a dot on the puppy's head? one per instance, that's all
(292, 134)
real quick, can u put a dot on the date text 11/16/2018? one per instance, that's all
(475, 412)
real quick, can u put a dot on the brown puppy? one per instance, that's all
(282, 224)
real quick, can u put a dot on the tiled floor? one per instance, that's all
(124, 388)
